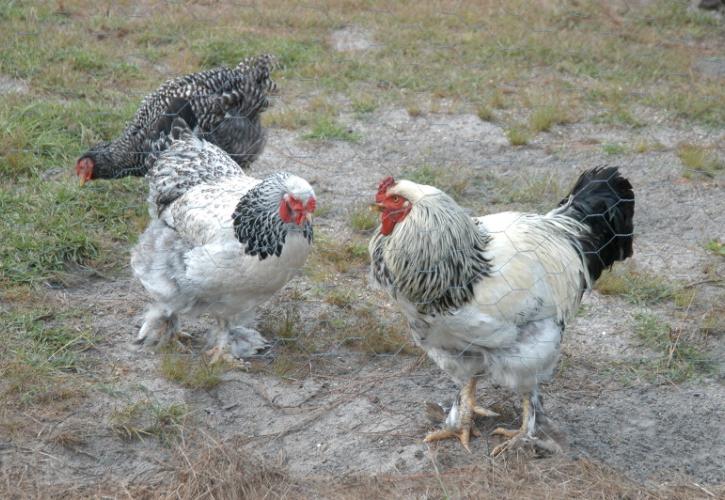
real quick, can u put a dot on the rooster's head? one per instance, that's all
(392, 204)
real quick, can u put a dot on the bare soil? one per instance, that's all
(353, 414)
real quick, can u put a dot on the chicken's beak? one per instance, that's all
(377, 207)
(308, 217)
(81, 180)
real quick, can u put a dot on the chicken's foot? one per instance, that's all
(459, 423)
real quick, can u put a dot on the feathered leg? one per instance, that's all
(232, 344)
(218, 339)
(158, 327)
(459, 423)
(530, 405)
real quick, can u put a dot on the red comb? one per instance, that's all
(385, 184)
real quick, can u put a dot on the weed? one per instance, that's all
(613, 148)
(286, 328)
(546, 117)
(485, 114)
(363, 219)
(342, 256)
(645, 146)
(452, 179)
(190, 373)
(716, 247)
(364, 103)
(146, 418)
(286, 118)
(699, 159)
(518, 135)
(680, 359)
(366, 331)
(638, 287)
(326, 129)
(340, 297)
(414, 110)
(43, 354)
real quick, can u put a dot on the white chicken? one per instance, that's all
(490, 296)
(219, 242)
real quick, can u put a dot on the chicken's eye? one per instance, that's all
(395, 198)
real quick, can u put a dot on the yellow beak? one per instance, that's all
(376, 207)
(82, 181)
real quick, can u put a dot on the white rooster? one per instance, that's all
(219, 242)
(490, 296)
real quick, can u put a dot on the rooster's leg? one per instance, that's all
(528, 420)
(245, 342)
(219, 337)
(459, 423)
(158, 327)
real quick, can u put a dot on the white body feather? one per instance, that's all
(190, 258)
(510, 329)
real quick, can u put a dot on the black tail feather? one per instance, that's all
(603, 200)
(178, 120)
(177, 108)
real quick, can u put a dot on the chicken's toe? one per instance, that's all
(463, 435)
(246, 342)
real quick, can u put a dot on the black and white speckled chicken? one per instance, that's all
(219, 241)
(227, 104)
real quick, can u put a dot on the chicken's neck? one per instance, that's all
(257, 224)
(434, 257)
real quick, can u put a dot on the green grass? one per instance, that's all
(454, 180)
(485, 113)
(327, 129)
(41, 354)
(146, 418)
(336, 256)
(49, 226)
(699, 160)
(680, 358)
(363, 218)
(545, 117)
(637, 286)
(191, 373)
(613, 149)
(716, 247)
(518, 135)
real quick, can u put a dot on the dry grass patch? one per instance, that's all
(191, 373)
(546, 116)
(363, 218)
(454, 180)
(643, 146)
(699, 160)
(146, 418)
(336, 256)
(680, 356)
(518, 135)
(639, 286)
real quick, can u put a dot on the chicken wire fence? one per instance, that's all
(652, 320)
